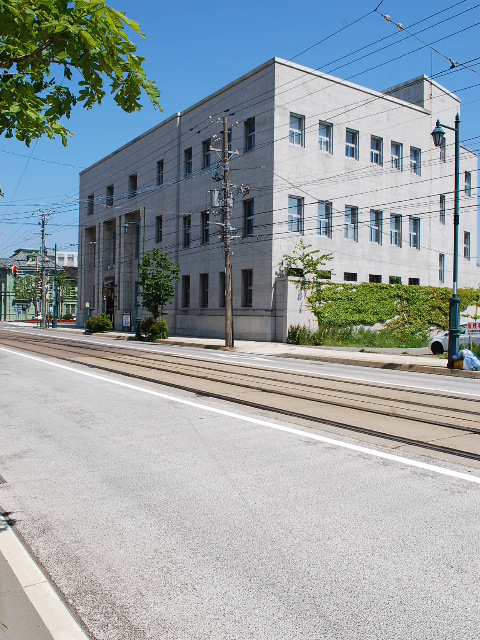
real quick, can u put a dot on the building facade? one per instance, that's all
(351, 171)
(20, 286)
(65, 258)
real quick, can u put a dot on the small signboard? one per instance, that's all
(473, 328)
(17, 309)
(126, 320)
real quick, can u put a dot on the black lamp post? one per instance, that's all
(138, 321)
(438, 135)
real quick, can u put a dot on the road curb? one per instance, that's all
(395, 366)
(53, 612)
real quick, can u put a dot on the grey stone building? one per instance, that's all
(352, 171)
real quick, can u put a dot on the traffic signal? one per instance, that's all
(14, 270)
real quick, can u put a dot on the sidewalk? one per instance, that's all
(379, 359)
(29, 607)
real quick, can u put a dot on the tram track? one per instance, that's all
(431, 420)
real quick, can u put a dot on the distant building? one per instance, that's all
(20, 286)
(351, 171)
(65, 258)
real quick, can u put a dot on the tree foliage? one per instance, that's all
(306, 266)
(157, 278)
(64, 285)
(57, 53)
(25, 288)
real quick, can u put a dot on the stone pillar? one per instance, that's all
(100, 266)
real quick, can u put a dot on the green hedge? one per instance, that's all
(403, 309)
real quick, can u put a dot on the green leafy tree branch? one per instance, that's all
(57, 53)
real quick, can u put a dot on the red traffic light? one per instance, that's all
(14, 271)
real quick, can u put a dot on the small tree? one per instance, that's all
(306, 266)
(64, 287)
(24, 288)
(157, 278)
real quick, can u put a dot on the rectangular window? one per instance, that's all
(414, 233)
(466, 245)
(351, 144)
(351, 223)
(394, 280)
(349, 277)
(188, 158)
(324, 221)
(297, 130)
(90, 204)
(185, 292)
(247, 218)
(206, 155)
(376, 150)
(187, 229)
(158, 229)
(441, 267)
(376, 223)
(375, 278)
(247, 287)
(205, 227)
(443, 209)
(221, 289)
(468, 183)
(109, 199)
(397, 156)
(325, 137)
(249, 134)
(443, 150)
(132, 185)
(159, 173)
(295, 214)
(415, 161)
(396, 230)
(204, 290)
(414, 282)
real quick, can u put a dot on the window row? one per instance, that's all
(205, 222)
(325, 145)
(206, 159)
(350, 223)
(204, 284)
(376, 278)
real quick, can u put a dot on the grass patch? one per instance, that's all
(355, 337)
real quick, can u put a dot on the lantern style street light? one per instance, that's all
(438, 135)
(138, 321)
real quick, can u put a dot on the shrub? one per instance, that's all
(67, 316)
(157, 331)
(97, 324)
(147, 324)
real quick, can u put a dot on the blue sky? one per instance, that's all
(193, 49)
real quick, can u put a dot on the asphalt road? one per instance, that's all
(160, 519)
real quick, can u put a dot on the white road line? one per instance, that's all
(271, 367)
(257, 421)
(41, 594)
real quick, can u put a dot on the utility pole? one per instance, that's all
(225, 206)
(44, 288)
(227, 244)
(55, 310)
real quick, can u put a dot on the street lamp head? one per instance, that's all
(438, 134)
(125, 227)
